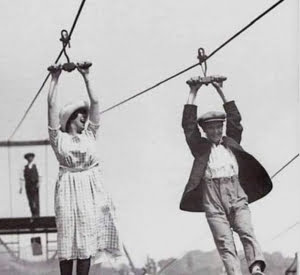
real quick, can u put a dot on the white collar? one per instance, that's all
(30, 164)
(220, 142)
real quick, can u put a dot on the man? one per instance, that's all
(223, 179)
(31, 177)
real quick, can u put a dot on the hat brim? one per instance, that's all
(28, 155)
(203, 123)
(210, 117)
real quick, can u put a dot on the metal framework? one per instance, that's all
(18, 226)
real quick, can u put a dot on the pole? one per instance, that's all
(10, 181)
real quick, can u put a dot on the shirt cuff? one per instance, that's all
(229, 105)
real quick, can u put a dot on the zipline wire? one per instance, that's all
(199, 63)
(158, 84)
(48, 75)
(155, 85)
(285, 231)
(290, 161)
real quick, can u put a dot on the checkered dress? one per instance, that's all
(85, 214)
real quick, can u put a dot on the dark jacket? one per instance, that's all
(31, 175)
(253, 177)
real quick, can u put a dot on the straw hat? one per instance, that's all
(68, 110)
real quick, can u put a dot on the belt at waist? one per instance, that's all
(77, 169)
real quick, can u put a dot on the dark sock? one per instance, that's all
(66, 267)
(83, 266)
(260, 264)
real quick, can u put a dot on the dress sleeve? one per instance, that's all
(54, 134)
(92, 128)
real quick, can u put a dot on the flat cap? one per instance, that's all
(211, 117)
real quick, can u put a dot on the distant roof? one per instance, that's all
(8, 143)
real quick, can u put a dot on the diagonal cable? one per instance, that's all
(199, 63)
(47, 77)
(285, 231)
(155, 85)
(278, 235)
(284, 166)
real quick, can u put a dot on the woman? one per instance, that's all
(84, 212)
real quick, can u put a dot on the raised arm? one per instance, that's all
(194, 85)
(189, 118)
(234, 128)
(94, 112)
(53, 104)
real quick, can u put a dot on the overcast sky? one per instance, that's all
(145, 161)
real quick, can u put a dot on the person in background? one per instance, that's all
(223, 180)
(30, 176)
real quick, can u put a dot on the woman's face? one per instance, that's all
(79, 119)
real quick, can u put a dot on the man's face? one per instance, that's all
(30, 159)
(214, 131)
